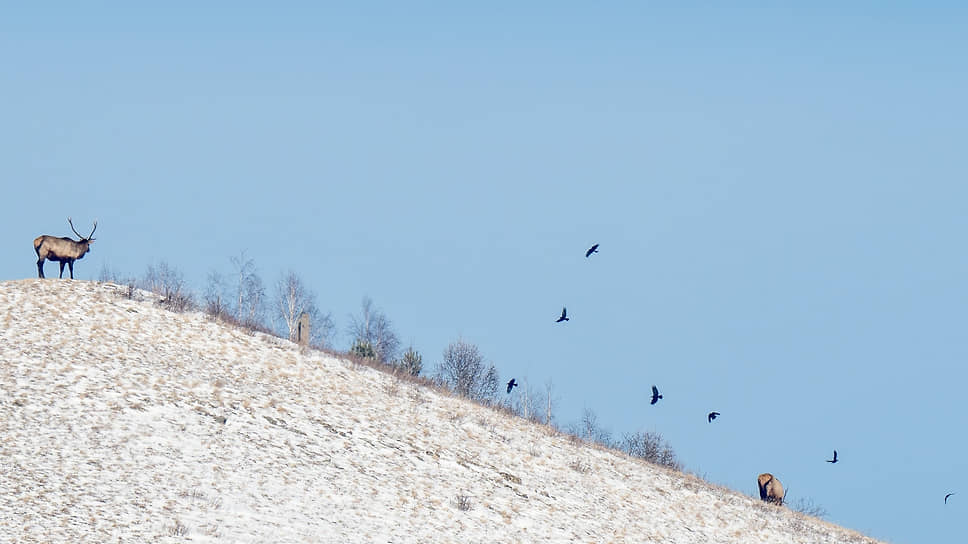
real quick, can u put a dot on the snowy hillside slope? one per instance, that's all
(123, 422)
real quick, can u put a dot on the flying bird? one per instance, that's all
(711, 416)
(655, 395)
(564, 316)
(834, 460)
(948, 495)
(511, 385)
(593, 249)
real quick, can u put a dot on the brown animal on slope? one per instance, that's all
(771, 490)
(63, 250)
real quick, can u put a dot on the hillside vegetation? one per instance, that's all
(124, 422)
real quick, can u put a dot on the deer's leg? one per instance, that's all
(62, 263)
(40, 268)
(70, 264)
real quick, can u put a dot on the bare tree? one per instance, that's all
(534, 405)
(374, 328)
(550, 401)
(292, 299)
(250, 306)
(463, 369)
(526, 403)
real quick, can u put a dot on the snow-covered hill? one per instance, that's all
(123, 422)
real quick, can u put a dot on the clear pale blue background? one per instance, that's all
(778, 190)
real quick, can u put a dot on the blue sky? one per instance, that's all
(778, 190)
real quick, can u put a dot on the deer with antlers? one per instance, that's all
(62, 249)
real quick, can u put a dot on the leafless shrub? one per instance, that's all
(110, 275)
(808, 507)
(463, 502)
(463, 370)
(579, 465)
(194, 494)
(169, 283)
(588, 430)
(214, 300)
(651, 447)
(178, 529)
(211, 529)
(178, 302)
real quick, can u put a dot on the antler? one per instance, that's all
(73, 229)
(79, 234)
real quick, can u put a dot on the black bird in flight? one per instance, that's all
(948, 495)
(593, 249)
(655, 395)
(834, 460)
(511, 385)
(711, 417)
(564, 316)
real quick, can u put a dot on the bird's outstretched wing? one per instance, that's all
(591, 250)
